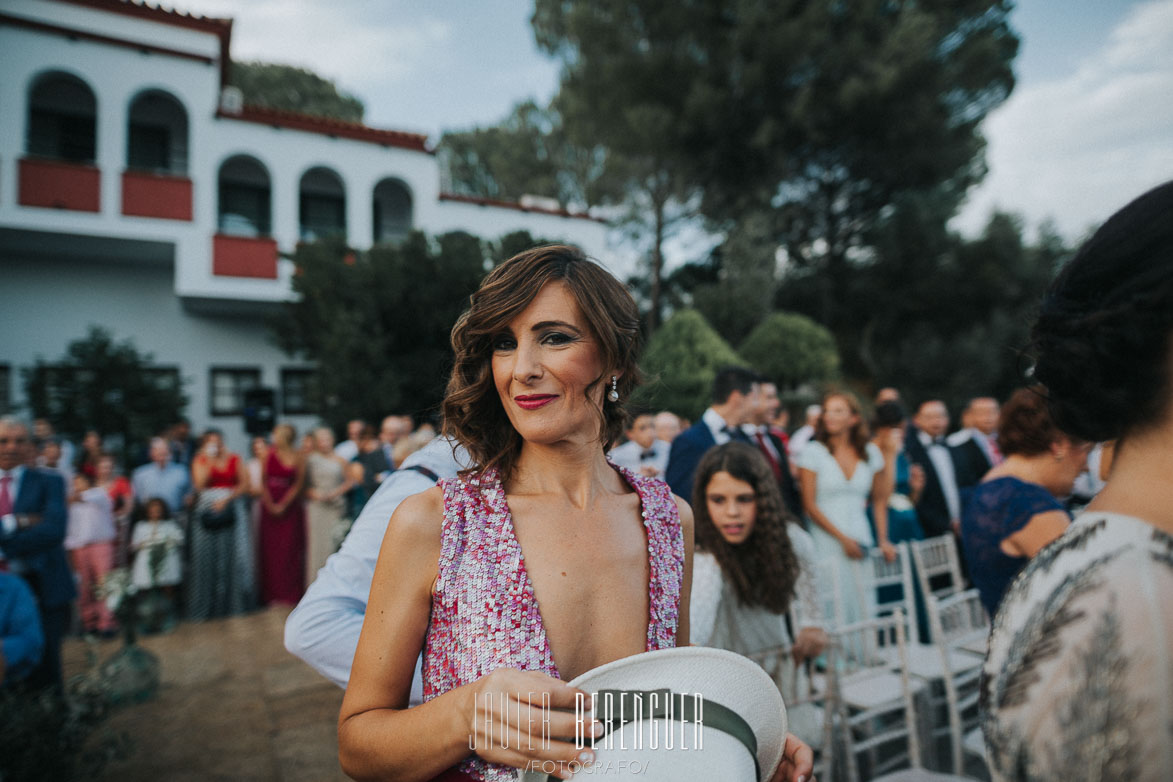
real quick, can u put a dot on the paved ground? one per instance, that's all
(232, 705)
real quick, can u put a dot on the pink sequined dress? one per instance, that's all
(484, 614)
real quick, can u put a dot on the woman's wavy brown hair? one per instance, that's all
(859, 434)
(472, 410)
(764, 568)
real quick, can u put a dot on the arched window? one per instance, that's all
(321, 205)
(62, 121)
(392, 211)
(244, 202)
(157, 134)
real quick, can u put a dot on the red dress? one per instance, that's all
(282, 538)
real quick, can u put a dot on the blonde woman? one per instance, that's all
(327, 481)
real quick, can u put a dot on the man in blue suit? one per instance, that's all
(736, 395)
(32, 529)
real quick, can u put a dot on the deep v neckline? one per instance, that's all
(528, 584)
(839, 464)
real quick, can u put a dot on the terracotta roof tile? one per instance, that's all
(328, 126)
(158, 13)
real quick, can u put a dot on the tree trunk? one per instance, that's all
(657, 268)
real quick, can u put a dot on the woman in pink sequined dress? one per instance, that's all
(542, 562)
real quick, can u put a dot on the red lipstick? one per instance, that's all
(533, 401)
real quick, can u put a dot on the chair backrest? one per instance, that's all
(959, 623)
(938, 566)
(859, 659)
(802, 688)
(959, 619)
(886, 587)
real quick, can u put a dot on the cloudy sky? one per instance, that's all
(1089, 126)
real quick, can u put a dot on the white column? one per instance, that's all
(359, 221)
(111, 144)
(284, 182)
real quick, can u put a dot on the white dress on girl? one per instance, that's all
(164, 536)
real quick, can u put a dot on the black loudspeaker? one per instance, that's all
(260, 410)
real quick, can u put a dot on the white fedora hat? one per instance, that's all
(692, 713)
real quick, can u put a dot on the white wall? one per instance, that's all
(49, 303)
(60, 299)
(117, 75)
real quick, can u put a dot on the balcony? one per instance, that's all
(162, 196)
(244, 256)
(58, 184)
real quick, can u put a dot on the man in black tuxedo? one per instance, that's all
(32, 530)
(736, 392)
(772, 447)
(975, 445)
(939, 508)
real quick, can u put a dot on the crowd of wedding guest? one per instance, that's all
(1003, 483)
(204, 531)
(217, 533)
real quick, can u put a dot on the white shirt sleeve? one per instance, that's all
(705, 598)
(626, 455)
(323, 629)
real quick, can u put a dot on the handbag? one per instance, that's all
(218, 520)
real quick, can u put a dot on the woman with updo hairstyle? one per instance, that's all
(1015, 510)
(538, 563)
(1078, 682)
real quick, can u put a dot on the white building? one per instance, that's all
(137, 194)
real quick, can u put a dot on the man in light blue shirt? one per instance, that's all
(323, 630)
(163, 479)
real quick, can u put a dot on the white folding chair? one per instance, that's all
(873, 707)
(886, 716)
(895, 578)
(958, 621)
(937, 561)
(934, 559)
(803, 689)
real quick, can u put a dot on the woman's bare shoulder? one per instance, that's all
(419, 516)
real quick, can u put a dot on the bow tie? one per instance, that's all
(648, 454)
(938, 441)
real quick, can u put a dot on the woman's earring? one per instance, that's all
(613, 394)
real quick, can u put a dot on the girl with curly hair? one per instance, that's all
(753, 562)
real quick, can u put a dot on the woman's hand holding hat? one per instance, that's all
(527, 719)
(798, 761)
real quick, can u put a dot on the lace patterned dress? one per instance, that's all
(484, 612)
(990, 513)
(1078, 682)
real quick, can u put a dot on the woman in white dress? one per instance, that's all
(752, 567)
(840, 472)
